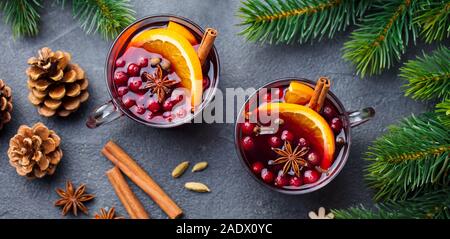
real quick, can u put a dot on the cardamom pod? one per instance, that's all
(179, 170)
(199, 166)
(197, 187)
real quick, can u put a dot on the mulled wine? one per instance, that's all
(297, 148)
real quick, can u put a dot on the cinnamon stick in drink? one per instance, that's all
(320, 94)
(130, 168)
(126, 196)
(207, 44)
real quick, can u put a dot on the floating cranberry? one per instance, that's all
(275, 142)
(168, 105)
(120, 78)
(310, 176)
(143, 62)
(153, 106)
(120, 62)
(181, 113)
(247, 128)
(247, 143)
(313, 158)
(267, 176)
(121, 91)
(296, 181)
(133, 69)
(205, 82)
(336, 125)
(281, 181)
(135, 84)
(329, 112)
(257, 167)
(287, 135)
(149, 115)
(302, 142)
(128, 102)
(140, 110)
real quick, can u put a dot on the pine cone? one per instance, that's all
(35, 152)
(56, 85)
(5, 104)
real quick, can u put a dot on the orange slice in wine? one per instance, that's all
(181, 54)
(298, 93)
(173, 26)
(309, 122)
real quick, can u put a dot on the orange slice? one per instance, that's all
(181, 54)
(311, 123)
(298, 93)
(173, 26)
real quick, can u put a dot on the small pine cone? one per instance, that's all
(56, 85)
(5, 104)
(35, 152)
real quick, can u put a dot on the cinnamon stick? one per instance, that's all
(130, 168)
(126, 196)
(320, 93)
(207, 44)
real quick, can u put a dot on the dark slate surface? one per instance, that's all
(234, 193)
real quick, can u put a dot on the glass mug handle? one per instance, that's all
(104, 114)
(358, 117)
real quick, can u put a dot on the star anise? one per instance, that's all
(107, 214)
(292, 160)
(158, 84)
(73, 199)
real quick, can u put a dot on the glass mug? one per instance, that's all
(349, 120)
(114, 109)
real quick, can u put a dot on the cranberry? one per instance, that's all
(149, 115)
(275, 142)
(154, 106)
(247, 143)
(336, 125)
(179, 98)
(310, 176)
(128, 102)
(120, 62)
(296, 181)
(313, 158)
(247, 128)
(287, 135)
(257, 167)
(205, 82)
(143, 62)
(302, 142)
(281, 181)
(120, 78)
(329, 112)
(140, 110)
(181, 113)
(167, 105)
(133, 69)
(121, 91)
(135, 84)
(267, 176)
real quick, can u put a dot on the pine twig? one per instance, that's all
(443, 109)
(382, 36)
(108, 17)
(413, 156)
(434, 18)
(276, 22)
(428, 76)
(22, 15)
(430, 205)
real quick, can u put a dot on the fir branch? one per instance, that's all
(275, 21)
(434, 18)
(412, 157)
(432, 205)
(22, 15)
(382, 36)
(443, 109)
(428, 76)
(108, 17)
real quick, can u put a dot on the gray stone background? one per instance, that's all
(234, 193)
